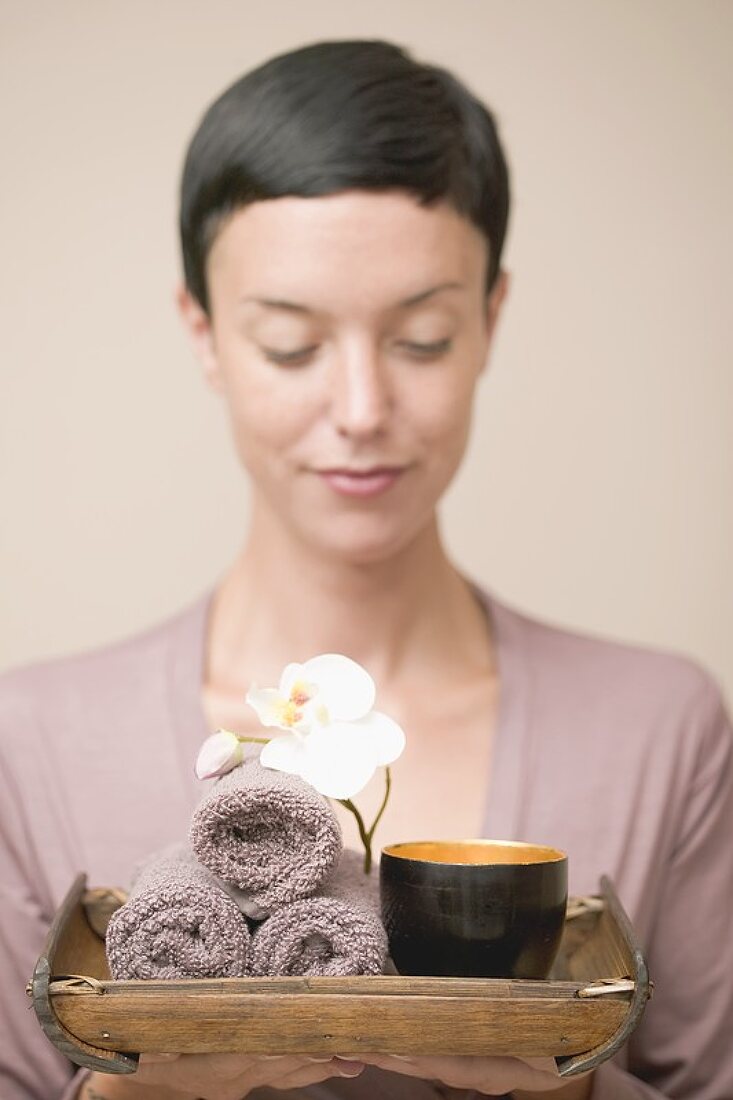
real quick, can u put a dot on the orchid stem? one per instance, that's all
(365, 837)
(253, 740)
(368, 835)
(383, 807)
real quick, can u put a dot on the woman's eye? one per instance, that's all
(300, 356)
(289, 358)
(427, 351)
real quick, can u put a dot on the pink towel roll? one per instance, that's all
(337, 932)
(177, 922)
(270, 835)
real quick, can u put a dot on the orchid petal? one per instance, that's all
(284, 754)
(304, 723)
(345, 688)
(290, 674)
(338, 761)
(265, 701)
(219, 753)
(386, 737)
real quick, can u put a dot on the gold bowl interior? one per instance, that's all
(483, 852)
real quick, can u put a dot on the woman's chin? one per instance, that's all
(364, 541)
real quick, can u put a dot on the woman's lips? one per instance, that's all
(362, 483)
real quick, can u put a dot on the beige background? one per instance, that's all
(599, 487)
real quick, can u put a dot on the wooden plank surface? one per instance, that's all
(332, 1023)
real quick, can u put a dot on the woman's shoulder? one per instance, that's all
(67, 686)
(641, 685)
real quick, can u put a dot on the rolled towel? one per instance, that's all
(177, 922)
(337, 932)
(270, 835)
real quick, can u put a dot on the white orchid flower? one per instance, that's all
(331, 736)
(325, 689)
(334, 740)
(340, 758)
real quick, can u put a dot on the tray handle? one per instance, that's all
(81, 1053)
(642, 990)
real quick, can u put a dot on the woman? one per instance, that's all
(342, 218)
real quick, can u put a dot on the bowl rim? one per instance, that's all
(549, 855)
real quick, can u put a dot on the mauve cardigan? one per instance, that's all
(620, 756)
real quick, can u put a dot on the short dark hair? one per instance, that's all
(334, 116)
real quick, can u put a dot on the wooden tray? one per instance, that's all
(581, 1015)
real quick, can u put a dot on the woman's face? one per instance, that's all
(346, 335)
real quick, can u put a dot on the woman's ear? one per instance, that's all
(494, 303)
(198, 324)
(495, 300)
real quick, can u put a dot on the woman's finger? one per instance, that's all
(212, 1076)
(491, 1075)
(314, 1074)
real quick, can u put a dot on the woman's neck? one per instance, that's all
(283, 601)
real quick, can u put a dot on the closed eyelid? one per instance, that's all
(419, 349)
(305, 352)
(293, 356)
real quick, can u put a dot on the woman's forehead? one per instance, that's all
(381, 244)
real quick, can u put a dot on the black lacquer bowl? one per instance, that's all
(473, 908)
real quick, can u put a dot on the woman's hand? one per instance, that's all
(492, 1076)
(214, 1076)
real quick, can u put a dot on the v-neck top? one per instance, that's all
(501, 814)
(620, 756)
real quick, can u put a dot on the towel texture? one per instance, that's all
(270, 835)
(177, 922)
(337, 932)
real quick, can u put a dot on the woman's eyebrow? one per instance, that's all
(277, 303)
(298, 307)
(416, 299)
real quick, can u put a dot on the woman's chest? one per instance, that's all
(440, 783)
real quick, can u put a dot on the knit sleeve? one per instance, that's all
(30, 1067)
(682, 1048)
(610, 1082)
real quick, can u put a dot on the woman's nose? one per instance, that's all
(360, 397)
